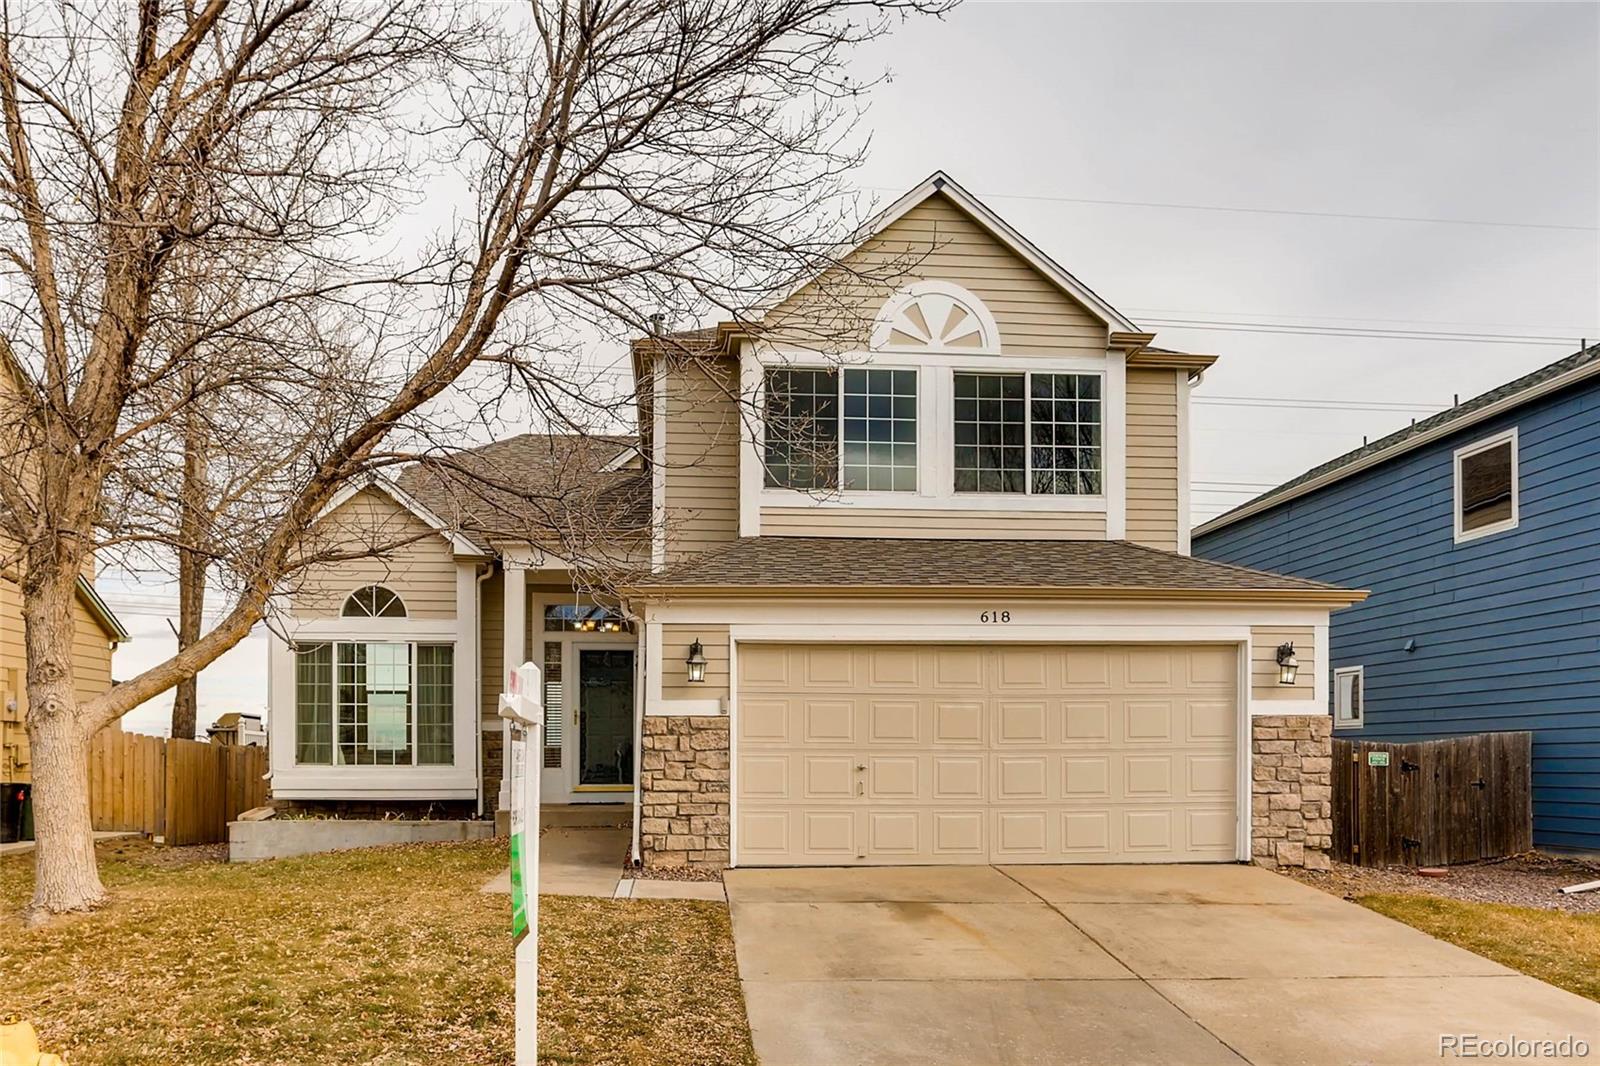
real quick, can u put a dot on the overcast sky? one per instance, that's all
(1283, 114)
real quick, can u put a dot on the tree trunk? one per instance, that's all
(64, 862)
(191, 609)
(191, 566)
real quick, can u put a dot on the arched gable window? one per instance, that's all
(373, 601)
(937, 315)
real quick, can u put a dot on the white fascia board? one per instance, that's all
(1366, 462)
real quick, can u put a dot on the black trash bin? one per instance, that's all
(16, 812)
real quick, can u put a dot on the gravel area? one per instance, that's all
(1530, 880)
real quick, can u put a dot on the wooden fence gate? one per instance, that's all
(181, 791)
(1432, 802)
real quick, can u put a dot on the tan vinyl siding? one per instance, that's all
(675, 641)
(91, 654)
(702, 456)
(937, 240)
(918, 522)
(1264, 641)
(492, 644)
(1152, 442)
(420, 568)
(91, 675)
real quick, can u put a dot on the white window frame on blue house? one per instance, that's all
(1345, 716)
(1477, 447)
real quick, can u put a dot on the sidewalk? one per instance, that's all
(22, 847)
(588, 862)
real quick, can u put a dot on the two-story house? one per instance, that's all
(1478, 532)
(921, 594)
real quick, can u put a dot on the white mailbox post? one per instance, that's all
(523, 706)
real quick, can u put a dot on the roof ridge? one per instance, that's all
(1459, 412)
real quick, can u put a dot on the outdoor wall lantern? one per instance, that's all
(696, 662)
(1288, 665)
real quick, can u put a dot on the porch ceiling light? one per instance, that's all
(1288, 665)
(696, 662)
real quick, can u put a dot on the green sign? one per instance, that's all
(1377, 758)
(519, 836)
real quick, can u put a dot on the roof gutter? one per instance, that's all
(1472, 418)
(1319, 597)
(102, 612)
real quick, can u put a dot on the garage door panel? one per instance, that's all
(896, 777)
(1021, 723)
(958, 778)
(1016, 778)
(1086, 722)
(831, 722)
(958, 722)
(1147, 721)
(1209, 720)
(894, 722)
(1031, 754)
(828, 777)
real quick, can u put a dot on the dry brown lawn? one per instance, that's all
(1560, 948)
(388, 955)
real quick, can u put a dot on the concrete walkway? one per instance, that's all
(587, 861)
(1108, 964)
(22, 847)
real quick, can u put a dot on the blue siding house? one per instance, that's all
(1478, 532)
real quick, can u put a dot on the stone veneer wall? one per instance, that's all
(1291, 802)
(684, 786)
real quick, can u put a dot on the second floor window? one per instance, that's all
(872, 447)
(1028, 433)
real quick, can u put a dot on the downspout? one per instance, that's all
(477, 617)
(641, 671)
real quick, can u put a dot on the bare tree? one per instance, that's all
(607, 161)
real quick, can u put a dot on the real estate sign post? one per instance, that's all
(522, 706)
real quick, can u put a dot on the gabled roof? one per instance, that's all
(939, 183)
(1090, 569)
(459, 543)
(536, 487)
(1579, 366)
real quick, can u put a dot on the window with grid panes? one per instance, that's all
(1032, 433)
(991, 422)
(880, 430)
(375, 704)
(1064, 434)
(802, 429)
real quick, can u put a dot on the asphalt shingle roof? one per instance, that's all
(1443, 419)
(812, 562)
(535, 487)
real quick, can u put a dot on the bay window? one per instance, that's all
(374, 703)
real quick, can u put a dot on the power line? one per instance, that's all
(1316, 405)
(1140, 312)
(1292, 330)
(1171, 206)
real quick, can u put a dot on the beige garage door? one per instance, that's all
(884, 755)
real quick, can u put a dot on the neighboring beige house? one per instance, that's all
(973, 633)
(96, 634)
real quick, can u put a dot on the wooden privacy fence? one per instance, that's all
(182, 791)
(1432, 802)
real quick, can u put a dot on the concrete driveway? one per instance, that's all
(1177, 965)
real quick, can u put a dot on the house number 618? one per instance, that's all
(995, 616)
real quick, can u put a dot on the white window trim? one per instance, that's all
(935, 459)
(1466, 451)
(1360, 719)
